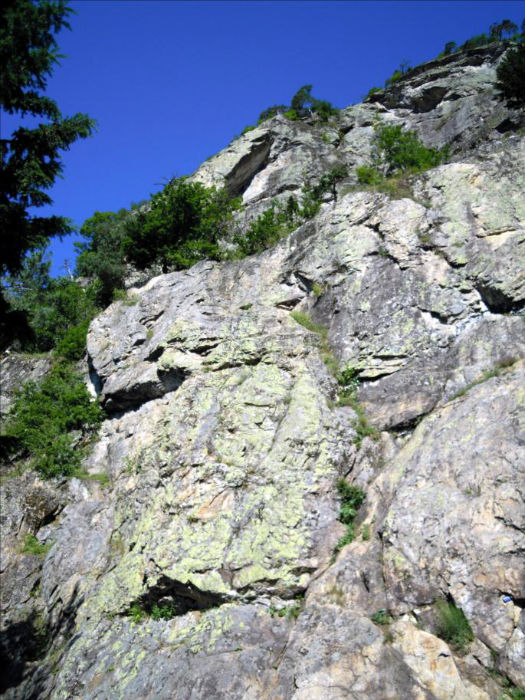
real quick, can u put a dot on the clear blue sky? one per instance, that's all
(170, 83)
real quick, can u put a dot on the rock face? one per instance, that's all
(225, 440)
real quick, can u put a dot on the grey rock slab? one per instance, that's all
(455, 525)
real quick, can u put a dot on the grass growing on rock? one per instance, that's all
(33, 546)
(485, 376)
(453, 626)
(348, 380)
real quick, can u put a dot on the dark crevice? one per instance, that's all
(497, 301)
(179, 598)
(133, 397)
(155, 354)
(507, 125)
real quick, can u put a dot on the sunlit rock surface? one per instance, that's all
(224, 439)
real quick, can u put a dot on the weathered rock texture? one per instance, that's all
(224, 440)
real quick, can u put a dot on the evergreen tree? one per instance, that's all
(31, 156)
(511, 76)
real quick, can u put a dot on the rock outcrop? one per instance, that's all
(225, 440)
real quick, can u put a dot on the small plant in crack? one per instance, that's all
(453, 626)
(381, 617)
(352, 498)
(348, 380)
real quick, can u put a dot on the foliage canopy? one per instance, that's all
(43, 416)
(511, 76)
(31, 157)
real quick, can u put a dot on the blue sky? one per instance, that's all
(171, 82)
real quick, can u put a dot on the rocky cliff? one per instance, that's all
(227, 438)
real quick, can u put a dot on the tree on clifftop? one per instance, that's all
(31, 156)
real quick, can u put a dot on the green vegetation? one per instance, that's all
(498, 31)
(281, 219)
(348, 380)
(352, 498)
(402, 151)
(303, 105)
(381, 617)
(58, 311)
(396, 154)
(269, 227)
(100, 255)
(453, 626)
(136, 613)
(165, 611)
(31, 156)
(365, 532)
(291, 612)
(303, 319)
(511, 76)
(179, 226)
(487, 374)
(53, 420)
(33, 546)
(403, 69)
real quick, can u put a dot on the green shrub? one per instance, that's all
(396, 75)
(476, 41)
(511, 76)
(181, 225)
(368, 175)
(43, 416)
(53, 307)
(400, 150)
(270, 112)
(291, 114)
(101, 254)
(72, 345)
(268, 228)
(33, 546)
(136, 613)
(381, 617)
(373, 91)
(453, 626)
(166, 611)
(352, 498)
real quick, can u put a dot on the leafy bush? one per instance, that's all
(72, 345)
(403, 151)
(53, 307)
(101, 255)
(511, 76)
(373, 91)
(381, 617)
(352, 498)
(291, 114)
(396, 75)
(368, 175)
(181, 225)
(164, 611)
(270, 112)
(44, 415)
(304, 103)
(453, 626)
(268, 228)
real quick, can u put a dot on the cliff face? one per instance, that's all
(226, 440)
